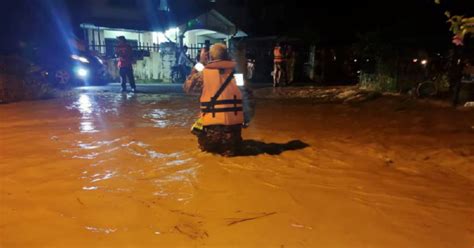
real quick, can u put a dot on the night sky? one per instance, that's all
(341, 21)
(420, 22)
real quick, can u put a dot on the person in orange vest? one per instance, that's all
(221, 115)
(278, 65)
(125, 55)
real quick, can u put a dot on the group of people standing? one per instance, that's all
(284, 58)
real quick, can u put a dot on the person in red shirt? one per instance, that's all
(125, 56)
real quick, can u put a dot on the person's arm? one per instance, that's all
(193, 83)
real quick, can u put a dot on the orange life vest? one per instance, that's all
(227, 108)
(277, 54)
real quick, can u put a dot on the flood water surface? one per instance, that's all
(123, 170)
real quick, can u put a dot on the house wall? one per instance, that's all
(146, 38)
(112, 34)
(156, 67)
(194, 37)
(96, 40)
(189, 39)
(96, 37)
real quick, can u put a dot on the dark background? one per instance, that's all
(414, 22)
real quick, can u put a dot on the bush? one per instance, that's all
(378, 82)
(17, 82)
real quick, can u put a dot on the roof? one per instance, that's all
(143, 15)
(215, 21)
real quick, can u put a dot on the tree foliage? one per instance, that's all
(460, 25)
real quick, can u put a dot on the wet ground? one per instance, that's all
(122, 170)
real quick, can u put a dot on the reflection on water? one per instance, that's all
(84, 104)
(88, 127)
(102, 230)
(100, 177)
(159, 117)
(89, 188)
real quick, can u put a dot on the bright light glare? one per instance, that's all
(415, 60)
(160, 37)
(199, 67)
(424, 62)
(239, 79)
(82, 72)
(80, 58)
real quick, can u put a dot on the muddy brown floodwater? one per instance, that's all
(113, 170)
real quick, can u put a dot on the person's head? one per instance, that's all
(218, 51)
(207, 43)
(121, 38)
(185, 48)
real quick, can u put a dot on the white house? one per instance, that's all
(153, 37)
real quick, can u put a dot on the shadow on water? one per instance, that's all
(254, 147)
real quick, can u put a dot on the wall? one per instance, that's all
(112, 34)
(96, 37)
(156, 67)
(146, 38)
(194, 37)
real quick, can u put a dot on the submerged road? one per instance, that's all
(103, 169)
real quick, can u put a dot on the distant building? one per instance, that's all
(150, 29)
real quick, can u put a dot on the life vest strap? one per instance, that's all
(218, 102)
(222, 110)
